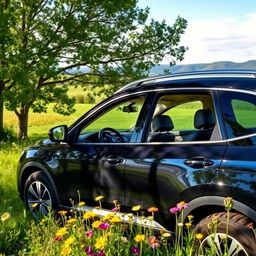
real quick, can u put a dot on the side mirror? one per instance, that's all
(58, 133)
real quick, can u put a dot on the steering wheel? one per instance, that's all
(105, 135)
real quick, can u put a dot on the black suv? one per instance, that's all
(155, 142)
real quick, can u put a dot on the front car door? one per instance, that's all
(97, 156)
(179, 153)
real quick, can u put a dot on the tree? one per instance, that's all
(51, 38)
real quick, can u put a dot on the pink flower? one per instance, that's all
(182, 205)
(89, 233)
(135, 250)
(153, 242)
(58, 238)
(101, 253)
(104, 226)
(88, 250)
(116, 209)
(174, 209)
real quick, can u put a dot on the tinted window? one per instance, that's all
(239, 113)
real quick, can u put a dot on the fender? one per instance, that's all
(37, 165)
(218, 200)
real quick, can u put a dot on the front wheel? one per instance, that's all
(38, 194)
(240, 240)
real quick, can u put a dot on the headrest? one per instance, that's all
(204, 119)
(162, 123)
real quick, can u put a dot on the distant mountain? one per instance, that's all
(220, 65)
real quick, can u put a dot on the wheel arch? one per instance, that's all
(30, 168)
(206, 205)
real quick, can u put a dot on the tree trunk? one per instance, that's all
(23, 122)
(1, 108)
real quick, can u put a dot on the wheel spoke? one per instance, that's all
(47, 203)
(39, 189)
(32, 191)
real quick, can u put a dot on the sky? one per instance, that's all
(218, 30)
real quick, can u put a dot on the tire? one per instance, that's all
(240, 239)
(39, 196)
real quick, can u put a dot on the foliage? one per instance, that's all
(43, 40)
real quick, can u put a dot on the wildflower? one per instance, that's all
(153, 242)
(65, 251)
(62, 212)
(188, 224)
(124, 239)
(136, 208)
(81, 203)
(139, 238)
(58, 238)
(182, 205)
(101, 242)
(115, 219)
(34, 205)
(88, 250)
(104, 226)
(115, 209)
(101, 253)
(109, 234)
(96, 223)
(150, 218)
(180, 224)
(174, 209)
(228, 203)
(190, 217)
(98, 198)
(89, 233)
(89, 215)
(61, 232)
(5, 216)
(135, 250)
(199, 236)
(69, 241)
(71, 221)
(152, 209)
(166, 235)
(108, 216)
(250, 225)
(115, 202)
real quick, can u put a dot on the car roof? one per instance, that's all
(238, 79)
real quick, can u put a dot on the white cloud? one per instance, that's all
(229, 39)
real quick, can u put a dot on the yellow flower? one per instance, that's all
(108, 216)
(5, 216)
(115, 219)
(136, 208)
(98, 198)
(199, 236)
(62, 212)
(81, 203)
(70, 221)
(188, 224)
(69, 241)
(166, 234)
(61, 232)
(139, 238)
(190, 217)
(65, 251)
(101, 242)
(89, 215)
(150, 218)
(34, 205)
(96, 223)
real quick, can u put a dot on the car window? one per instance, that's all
(121, 117)
(182, 117)
(239, 111)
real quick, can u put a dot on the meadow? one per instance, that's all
(21, 235)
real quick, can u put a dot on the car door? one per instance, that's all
(176, 158)
(95, 167)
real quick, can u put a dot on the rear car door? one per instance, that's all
(179, 153)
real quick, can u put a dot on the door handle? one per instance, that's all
(114, 160)
(198, 162)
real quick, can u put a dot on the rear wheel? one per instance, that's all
(240, 241)
(39, 196)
